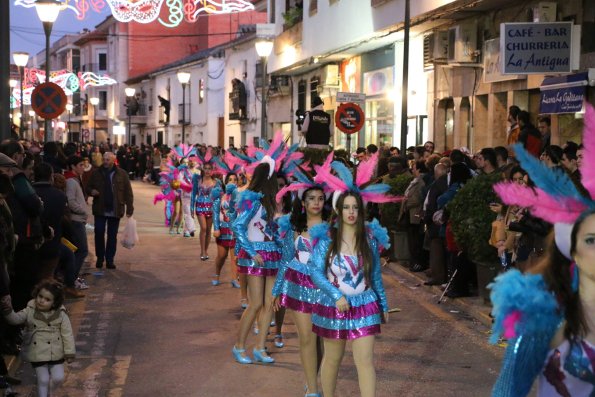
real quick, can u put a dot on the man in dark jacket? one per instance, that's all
(317, 126)
(112, 198)
(53, 211)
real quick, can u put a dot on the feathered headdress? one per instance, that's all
(227, 164)
(555, 198)
(173, 179)
(183, 151)
(343, 181)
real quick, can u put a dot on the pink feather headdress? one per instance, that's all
(555, 198)
(343, 181)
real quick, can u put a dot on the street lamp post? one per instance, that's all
(31, 115)
(94, 101)
(69, 108)
(21, 59)
(130, 95)
(263, 49)
(183, 78)
(47, 11)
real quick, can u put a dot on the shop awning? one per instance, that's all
(564, 94)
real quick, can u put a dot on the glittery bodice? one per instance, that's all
(569, 371)
(303, 249)
(347, 274)
(204, 192)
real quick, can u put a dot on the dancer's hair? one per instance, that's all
(556, 270)
(299, 217)
(362, 247)
(261, 183)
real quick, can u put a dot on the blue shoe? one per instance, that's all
(235, 284)
(279, 341)
(313, 395)
(215, 282)
(237, 354)
(244, 303)
(259, 357)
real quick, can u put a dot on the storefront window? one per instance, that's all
(379, 128)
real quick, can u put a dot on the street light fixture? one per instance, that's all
(47, 11)
(21, 59)
(130, 91)
(183, 78)
(94, 101)
(263, 49)
(69, 108)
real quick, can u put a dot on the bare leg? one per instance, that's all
(201, 236)
(279, 317)
(266, 312)
(233, 265)
(241, 278)
(209, 226)
(334, 349)
(178, 212)
(308, 355)
(220, 260)
(256, 300)
(363, 355)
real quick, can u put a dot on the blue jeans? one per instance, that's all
(67, 265)
(79, 237)
(103, 250)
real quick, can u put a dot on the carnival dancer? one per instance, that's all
(202, 185)
(346, 267)
(173, 184)
(223, 206)
(187, 157)
(293, 288)
(259, 253)
(548, 314)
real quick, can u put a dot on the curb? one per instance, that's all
(473, 305)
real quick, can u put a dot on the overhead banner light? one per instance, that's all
(147, 11)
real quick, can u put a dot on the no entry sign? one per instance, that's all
(349, 118)
(48, 100)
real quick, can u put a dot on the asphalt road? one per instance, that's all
(156, 327)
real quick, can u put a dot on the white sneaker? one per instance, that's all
(80, 283)
(88, 226)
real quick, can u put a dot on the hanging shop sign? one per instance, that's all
(536, 48)
(492, 63)
(349, 118)
(565, 94)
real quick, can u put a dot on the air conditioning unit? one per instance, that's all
(435, 48)
(462, 43)
(280, 85)
(330, 76)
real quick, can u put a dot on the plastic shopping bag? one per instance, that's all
(129, 237)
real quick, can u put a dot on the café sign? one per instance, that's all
(536, 48)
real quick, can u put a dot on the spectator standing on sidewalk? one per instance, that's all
(78, 209)
(530, 136)
(112, 198)
(54, 206)
(317, 126)
(156, 164)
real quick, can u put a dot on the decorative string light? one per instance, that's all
(147, 11)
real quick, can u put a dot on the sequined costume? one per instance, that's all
(528, 314)
(569, 371)
(254, 235)
(201, 197)
(222, 207)
(293, 285)
(345, 278)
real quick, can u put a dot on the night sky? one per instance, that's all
(26, 30)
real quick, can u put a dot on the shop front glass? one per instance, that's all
(379, 122)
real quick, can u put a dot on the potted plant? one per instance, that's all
(389, 214)
(471, 220)
(292, 16)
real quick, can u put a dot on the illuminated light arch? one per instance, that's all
(147, 11)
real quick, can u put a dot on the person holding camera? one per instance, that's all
(317, 126)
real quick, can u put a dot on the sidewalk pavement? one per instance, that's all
(473, 305)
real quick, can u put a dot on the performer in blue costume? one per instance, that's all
(223, 206)
(346, 267)
(294, 288)
(259, 254)
(548, 314)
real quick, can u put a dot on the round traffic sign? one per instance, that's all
(86, 133)
(48, 100)
(349, 118)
